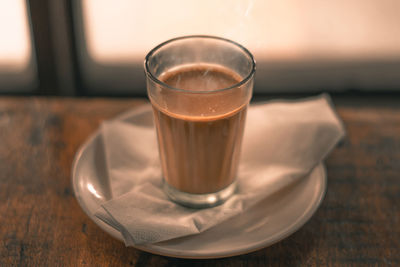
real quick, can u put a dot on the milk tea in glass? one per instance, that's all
(199, 88)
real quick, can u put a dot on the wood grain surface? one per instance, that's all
(41, 223)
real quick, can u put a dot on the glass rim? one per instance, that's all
(236, 85)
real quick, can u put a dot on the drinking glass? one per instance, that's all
(199, 130)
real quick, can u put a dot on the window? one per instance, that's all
(299, 45)
(17, 64)
(98, 46)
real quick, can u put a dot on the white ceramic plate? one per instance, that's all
(268, 222)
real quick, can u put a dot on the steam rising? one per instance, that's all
(241, 31)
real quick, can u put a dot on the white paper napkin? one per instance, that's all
(283, 142)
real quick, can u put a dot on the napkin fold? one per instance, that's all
(283, 142)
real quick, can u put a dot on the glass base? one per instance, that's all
(199, 200)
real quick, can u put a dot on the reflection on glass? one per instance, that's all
(93, 190)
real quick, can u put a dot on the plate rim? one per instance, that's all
(159, 249)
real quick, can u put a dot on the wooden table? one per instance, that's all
(42, 224)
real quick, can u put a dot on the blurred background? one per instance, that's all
(97, 47)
